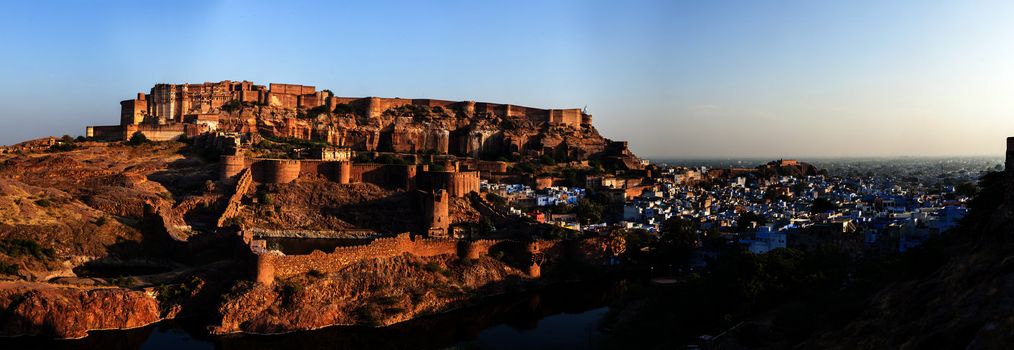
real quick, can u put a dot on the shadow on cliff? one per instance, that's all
(397, 213)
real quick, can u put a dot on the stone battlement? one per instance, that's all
(270, 264)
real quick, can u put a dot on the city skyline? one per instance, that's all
(679, 80)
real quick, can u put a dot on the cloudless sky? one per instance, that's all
(675, 78)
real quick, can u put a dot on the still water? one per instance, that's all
(561, 317)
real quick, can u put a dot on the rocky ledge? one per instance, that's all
(36, 309)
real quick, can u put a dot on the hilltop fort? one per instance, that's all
(372, 124)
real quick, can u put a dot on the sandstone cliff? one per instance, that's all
(46, 310)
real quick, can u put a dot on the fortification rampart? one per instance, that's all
(170, 102)
(233, 203)
(106, 132)
(385, 175)
(457, 184)
(275, 171)
(271, 264)
(167, 132)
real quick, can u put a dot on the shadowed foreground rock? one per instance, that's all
(45, 310)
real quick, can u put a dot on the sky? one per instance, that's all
(678, 79)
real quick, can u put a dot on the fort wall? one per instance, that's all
(276, 171)
(384, 175)
(231, 166)
(168, 132)
(485, 166)
(106, 133)
(233, 203)
(457, 184)
(271, 264)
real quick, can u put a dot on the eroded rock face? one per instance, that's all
(47, 310)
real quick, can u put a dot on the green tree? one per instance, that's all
(137, 139)
(747, 219)
(677, 240)
(822, 205)
(588, 212)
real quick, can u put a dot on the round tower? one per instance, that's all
(280, 171)
(230, 166)
(265, 269)
(343, 172)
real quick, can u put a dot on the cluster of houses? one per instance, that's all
(541, 205)
(760, 213)
(811, 210)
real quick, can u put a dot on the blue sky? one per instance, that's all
(676, 78)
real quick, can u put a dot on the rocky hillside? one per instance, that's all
(373, 292)
(71, 228)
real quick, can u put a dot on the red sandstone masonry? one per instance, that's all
(287, 265)
(232, 207)
(271, 264)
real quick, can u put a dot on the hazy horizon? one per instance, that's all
(722, 79)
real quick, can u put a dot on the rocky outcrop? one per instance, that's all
(372, 292)
(47, 310)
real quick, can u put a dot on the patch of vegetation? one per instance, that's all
(122, 282)
(347, 109)
(750, 219)
(496, 199)
(588, 212)
(137, 139)
(236, 105)
(267, 198)
(547, 160)
(170, 292)
(822, 205)
(486, 226)
(363, 157)
(288, 290)
(286, 144)
(25, 247)
(166, 195)
(524, 168)
(432, 266)
(389, 159)
(314, 112)
(414, 111)
(9, 269)
(235, 221)
(66, 143)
